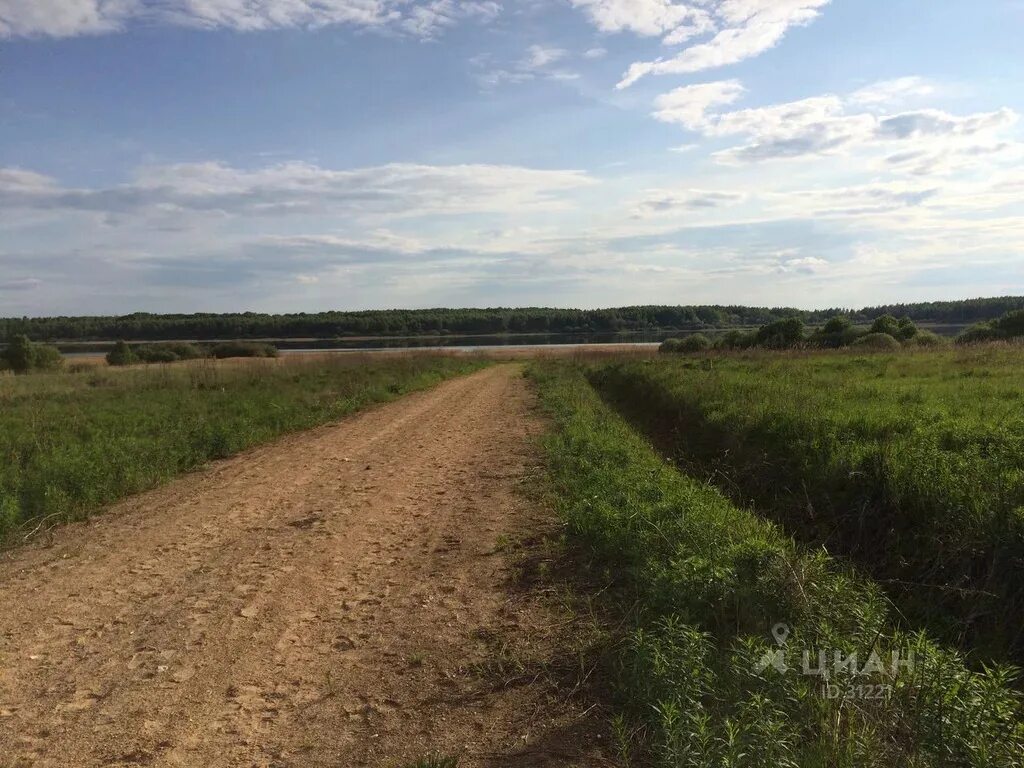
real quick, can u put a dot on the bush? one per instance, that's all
(243, 349)
(886, 324)
(979, 333)
(735, 339)
(837, 325)
(1011, 324)
(781, 334)
(926, 339)
(881, 342)
(22, 356)
(907, 329)
(121, 354)
(686, 345)
(46, 357)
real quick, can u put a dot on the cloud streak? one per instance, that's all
(402, 190)
(71, 18)
(734, 30)
(920, 141)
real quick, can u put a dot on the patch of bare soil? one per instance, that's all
(338, 598)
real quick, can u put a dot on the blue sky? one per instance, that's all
(290, 155)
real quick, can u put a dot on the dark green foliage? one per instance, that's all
(172, 352)
(782, 334)
(121, 354)
(19, 354)
(696, 584)
(736, 340)
(979, 333)
(23, 356)
(907, 329)
(886, 324)
(877, 342)
(70, 444)
(1009, 326)
(326, 325)
(927, 340)
(837, 325)
(698, 342)
(243, 349)
(911, 465)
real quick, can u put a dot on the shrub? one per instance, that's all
(46, 357)
(781, 334)
(168, 352)
(886, 324)
(1011, 324)
(882, 342)
(18, 354)
(686, 345)
(22, 356)
(121, 354)
(926, 339)
(735, 339)
(837, 325)
(907, 329)
(979, 333)
(243, 349)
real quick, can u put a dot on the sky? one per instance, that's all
(305, 155)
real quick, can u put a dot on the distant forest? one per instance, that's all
(420, 322)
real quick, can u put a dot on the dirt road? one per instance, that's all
(333, 599)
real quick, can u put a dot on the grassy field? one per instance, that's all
(72, 442)
(717, 605)
(910, 465)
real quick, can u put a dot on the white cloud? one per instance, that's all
(739, 29)
(539, 56)
(68, 18)
(921, 141)
(892, 91)
(689, 105)
(644, 17)
(398, 190)
(595, 53)
(538, 62)
(64, 18)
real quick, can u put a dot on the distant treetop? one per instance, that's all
(419, 322)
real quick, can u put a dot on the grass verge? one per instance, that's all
(71, 443)
(718, 606)
(910, 465)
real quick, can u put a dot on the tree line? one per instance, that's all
(400, 322)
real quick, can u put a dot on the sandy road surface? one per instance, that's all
(317, 602)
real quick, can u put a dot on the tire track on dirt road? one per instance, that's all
(314, 602)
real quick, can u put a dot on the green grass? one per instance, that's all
(73, 442)
(698, 584)
(911, 465)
